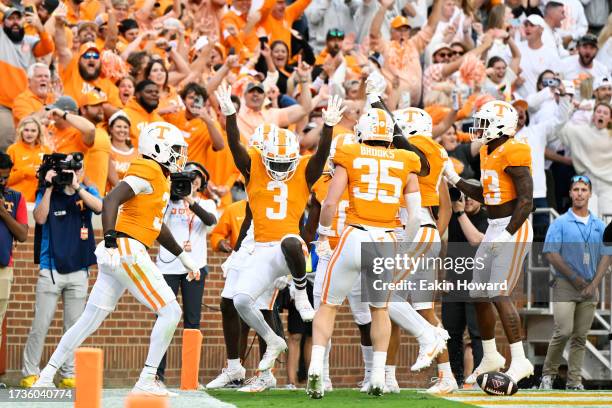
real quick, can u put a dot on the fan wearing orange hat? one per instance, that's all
(97, 158)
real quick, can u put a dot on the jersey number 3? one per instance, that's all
(377, 175)
(281, 198)
(490, 185)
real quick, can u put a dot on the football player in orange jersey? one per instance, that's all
(416, 125)
(278, 183)
(507, 191)
(233, 330)
(376, 176)
(123, 260)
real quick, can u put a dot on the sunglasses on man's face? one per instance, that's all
(445, 54)
(583, 179)
(336, 33)
(91, 55)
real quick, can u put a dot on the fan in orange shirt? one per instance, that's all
(170, 102)
(238, 28)
(225, 234)
(69, 132)
(123, 153)
(279, 21)
(26, 154)
(37, 96)
(141, 109)
(97, 159)
(81, 74)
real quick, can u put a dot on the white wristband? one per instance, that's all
(327, 231)
(372, 99)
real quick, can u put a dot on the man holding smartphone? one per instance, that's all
(199, 129)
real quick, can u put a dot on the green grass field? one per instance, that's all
(337, 398)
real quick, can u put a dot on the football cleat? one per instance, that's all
(365, 383)
(520, 369)
(28, 381)
(391, 385)
(315, 387)
(327, 384)
(429, 351)
(575, 387)
(443, 385)
(150, 385)
(303, 306)
(228, 379)
(273, 350)
(263, 381)
(547, 383)
(494, 362)
(377, 383)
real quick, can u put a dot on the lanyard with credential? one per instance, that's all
(586, 257)
(187, 244)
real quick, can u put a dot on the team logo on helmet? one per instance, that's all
(375, 124)
(413, 121)
(493, 120)
(281, 154)
(164, 143)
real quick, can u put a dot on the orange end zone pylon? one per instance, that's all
(89, 370)
(190, 358)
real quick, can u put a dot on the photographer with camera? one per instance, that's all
(467, 225)
(64, 208)
(188, 217)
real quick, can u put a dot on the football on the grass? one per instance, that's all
(496, 383)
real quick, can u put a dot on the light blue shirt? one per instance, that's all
(577, 242)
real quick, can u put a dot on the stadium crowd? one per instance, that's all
(84, 77)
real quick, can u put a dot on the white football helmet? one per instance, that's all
(494, 119)
(165, 144)
(261, 133)
(413, 121)
(281, 154)
(375, 124)
(337, 142)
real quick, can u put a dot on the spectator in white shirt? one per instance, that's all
(554, 14)
(583, 65)
(602, 92)
(188, 218)
(535, 56)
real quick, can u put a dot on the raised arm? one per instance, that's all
(331, 116)
(379, 17)
(239, 152)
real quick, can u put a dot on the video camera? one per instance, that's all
(180, 183)
(60, 162)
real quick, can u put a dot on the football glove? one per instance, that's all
(190, 265)
(107, 257)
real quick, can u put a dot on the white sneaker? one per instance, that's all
(290, 387)
(494, 362)
(391, 385)
(365, 383)
(547, 383)
(273, 350)
(327, 384)
(315, 387)
(520, 369)
(42, 383)
(442, 332)
(228, 378)
(264, 381)
(443, 385)
(150, 385)
(428, 352)
(377, 383)
(303, 306)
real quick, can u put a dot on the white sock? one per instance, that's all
(148, 372)
(378, 360)
(162, 333)
(517, 351)
(403, 314)
(326, 360)
(488, 347)
(317, 357)
(446, 369)
(367, 352)
(233, 364)
(390, 371)
(47, 373)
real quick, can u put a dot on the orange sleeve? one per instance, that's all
(463, 137)
(221, 231)
(22, 107)
(518, 155)
(265, 9)
(467, 108)
(294, 11)
(16, 174)
(44, 46)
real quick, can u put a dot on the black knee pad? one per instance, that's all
(291, 246)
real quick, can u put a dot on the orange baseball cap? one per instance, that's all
(399, 21)
(88, 46)
(92, 99)
(520, 103)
